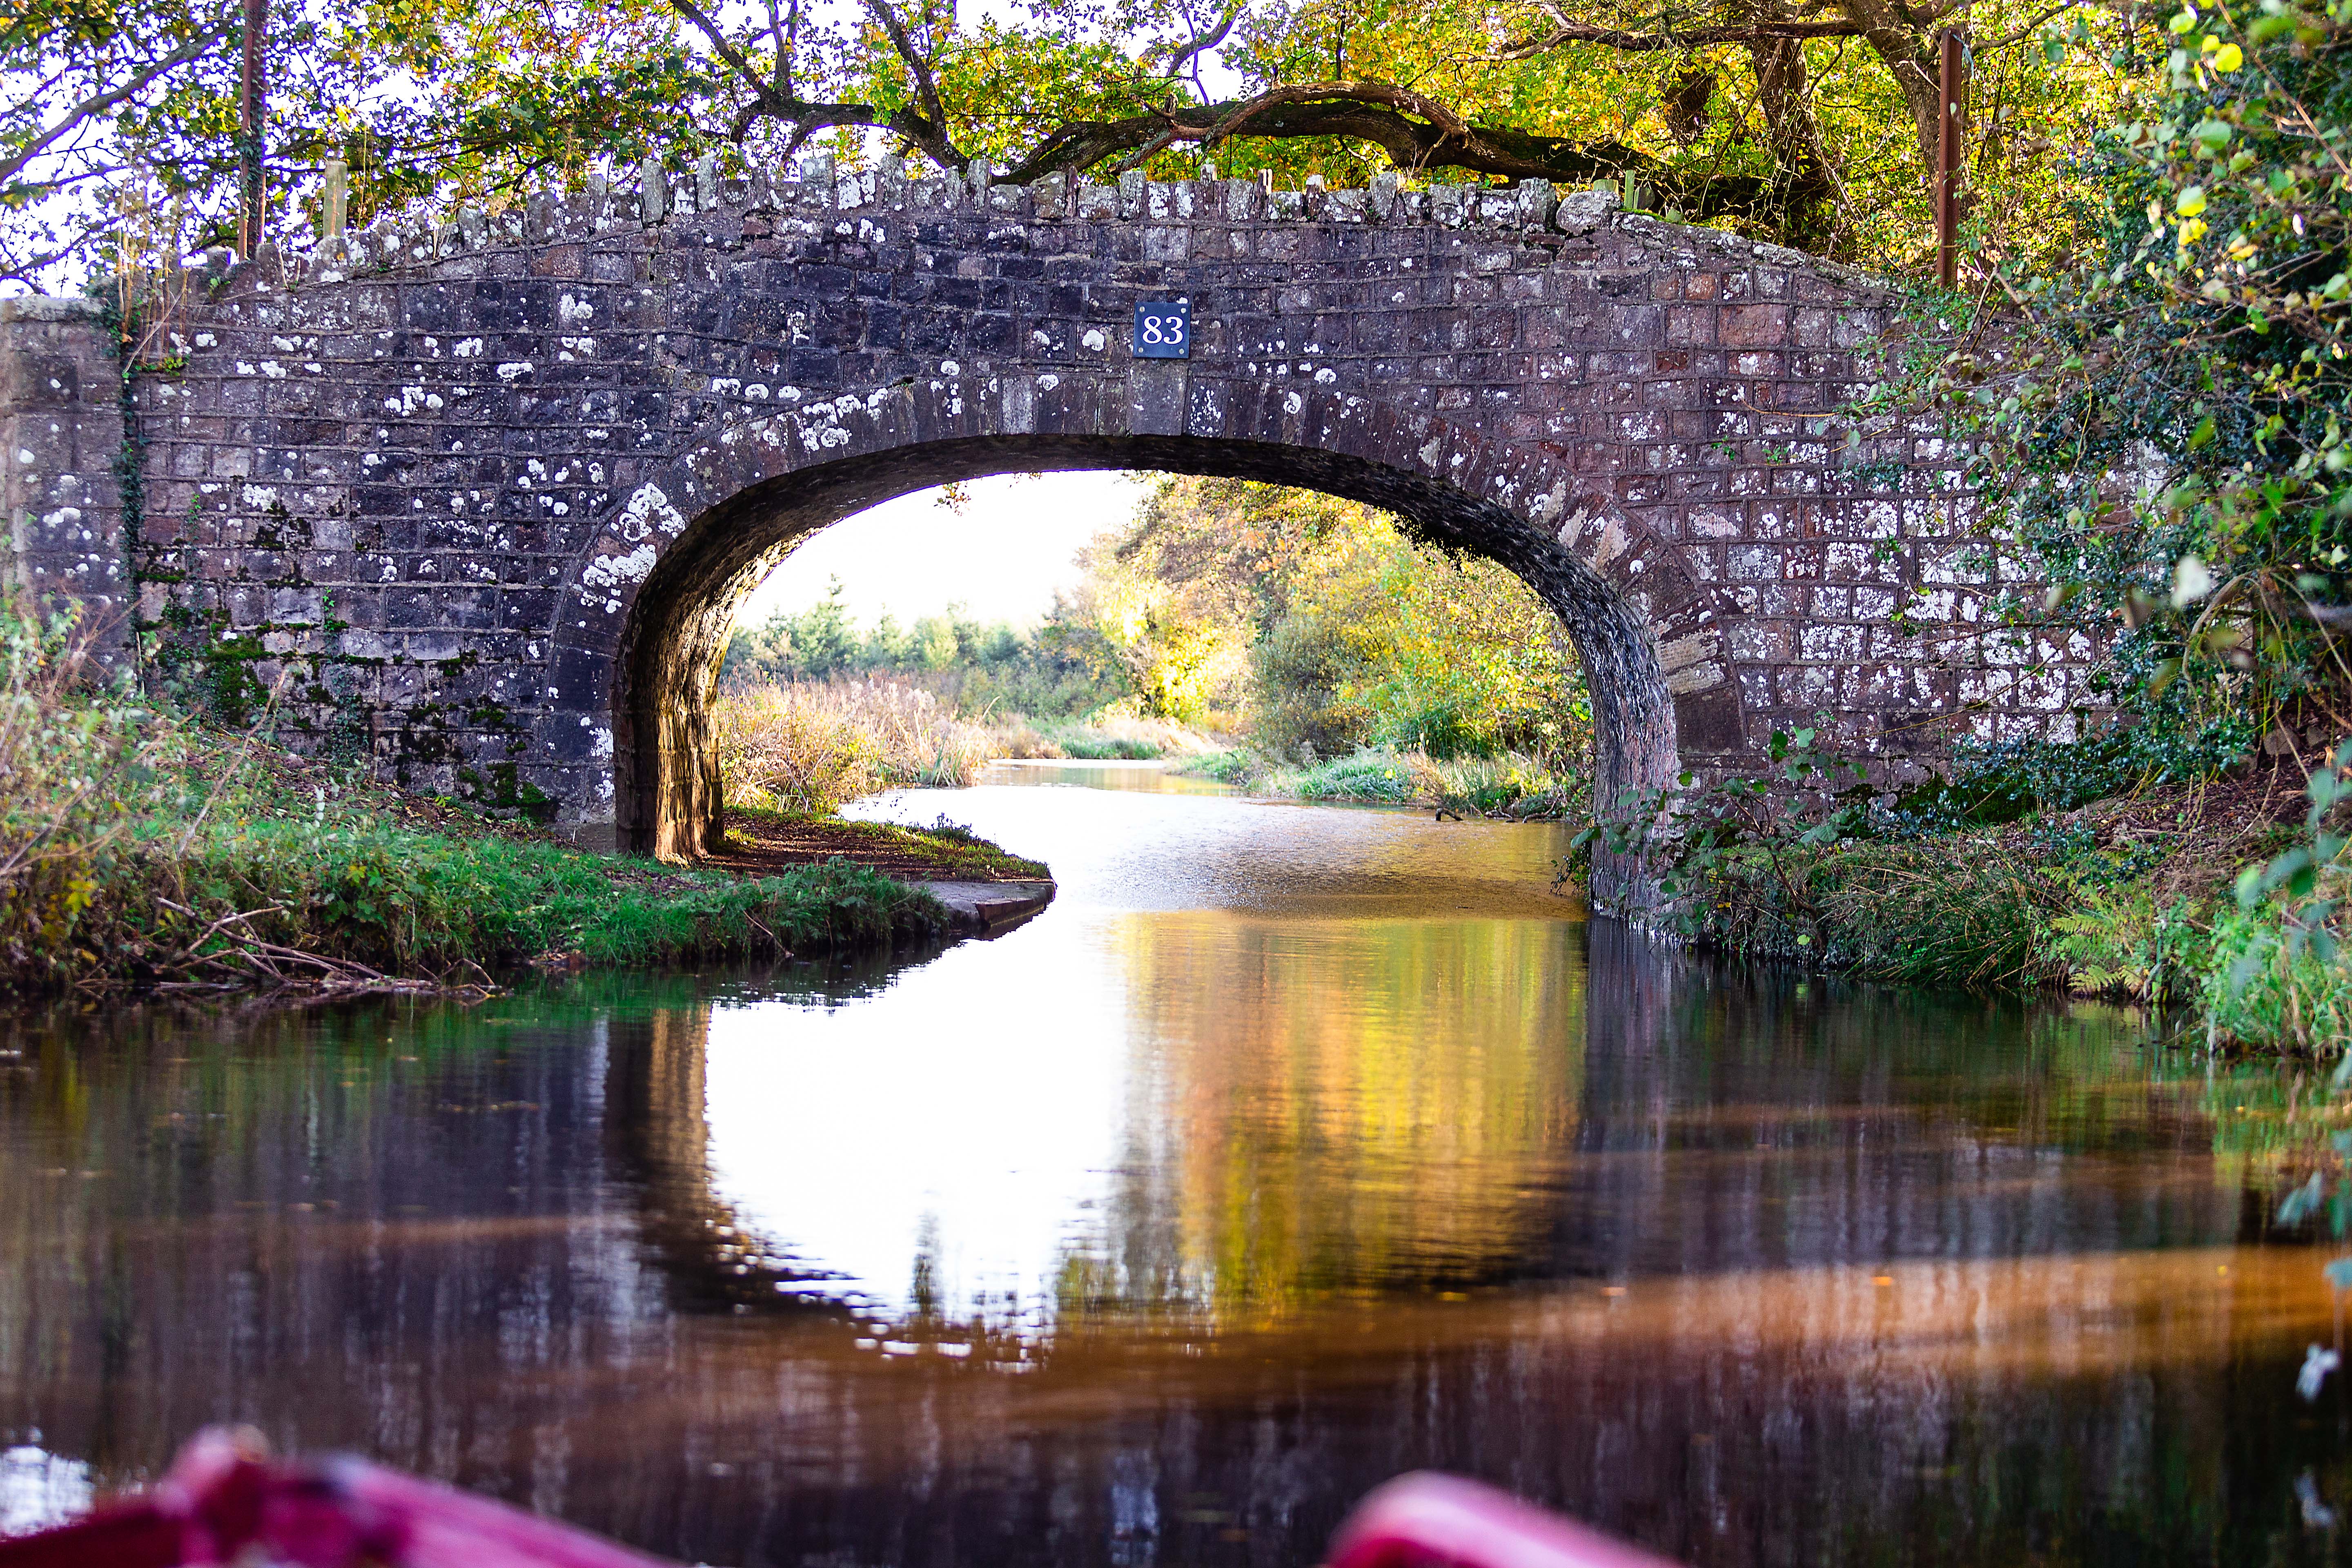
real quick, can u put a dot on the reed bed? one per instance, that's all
(812, 748)
(1514, 784)
(1095, 739)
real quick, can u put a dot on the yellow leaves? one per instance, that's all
(2191, 202)
(2228, 58)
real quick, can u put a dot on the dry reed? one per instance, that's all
(810, 748)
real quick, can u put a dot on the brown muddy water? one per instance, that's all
(1292, 1148)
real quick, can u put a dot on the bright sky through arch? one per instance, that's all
(1001, 555)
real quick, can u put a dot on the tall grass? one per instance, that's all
(811, 748)
(75, 775)
(1947, 911)
(2264, 988)
(1109, 738)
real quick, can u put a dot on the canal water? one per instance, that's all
(1292, 1148)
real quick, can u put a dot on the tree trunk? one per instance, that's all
(1805, 175)
(251, 109)
(1909, 56)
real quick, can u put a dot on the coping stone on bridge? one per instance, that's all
(478, 497)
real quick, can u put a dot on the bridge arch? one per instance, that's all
(474, 498)
(655, 592)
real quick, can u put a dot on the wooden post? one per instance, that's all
(1953, 96)
(337, 199)
(250, 114)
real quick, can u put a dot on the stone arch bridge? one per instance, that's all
(480, 497)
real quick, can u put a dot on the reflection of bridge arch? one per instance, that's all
(498, 1303)
(1626, 1130)
(656, 1100)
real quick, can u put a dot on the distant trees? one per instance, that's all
(1313, 622)
(980, 667)
(1327, 628)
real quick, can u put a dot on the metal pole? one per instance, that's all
(1953, 98)
(250, 90)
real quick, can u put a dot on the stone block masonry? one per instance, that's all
(60, 452)
(479, 498)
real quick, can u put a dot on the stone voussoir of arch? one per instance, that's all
(477, 497)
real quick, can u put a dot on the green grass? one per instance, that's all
(951, 845)
(2140, 911)
(1506, 786)
(285, 899)
(141, 846)
(1082, 744)
(1092, 739)
(1956, 911)
(2261, 988)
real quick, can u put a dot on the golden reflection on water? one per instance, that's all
(1318, 1140)
(1258, 1169)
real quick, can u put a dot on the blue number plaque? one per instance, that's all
(1163, 329)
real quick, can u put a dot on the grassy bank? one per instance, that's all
(945, 851)
(140, 848)
(2217, 901)
(1105, 739)
(1512, 785)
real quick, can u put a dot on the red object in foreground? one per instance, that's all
(225, 1497)
(1427, 1518)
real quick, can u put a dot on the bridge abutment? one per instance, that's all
(61, 452)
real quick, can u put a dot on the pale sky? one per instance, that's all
(1001, 556)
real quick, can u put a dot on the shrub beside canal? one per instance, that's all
(2221, 898)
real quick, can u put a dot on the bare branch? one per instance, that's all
(2030, 29)
(1569, 32)
(771, 101)
(1203, 43)
(933, 137)
(97, 104)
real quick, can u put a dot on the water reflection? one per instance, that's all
(1256, 1169)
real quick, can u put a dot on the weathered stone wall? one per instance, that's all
(60, 442)
(480, 499)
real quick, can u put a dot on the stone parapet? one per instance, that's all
(477, 498)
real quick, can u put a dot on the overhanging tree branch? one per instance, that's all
(99, 103)
(772, 100)
(933, 125)
(1415, 132)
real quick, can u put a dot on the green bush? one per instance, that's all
(2170, 431)
(2262, 989)
(1367, 776)
(1300, 670)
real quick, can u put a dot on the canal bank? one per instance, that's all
(144, 852)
